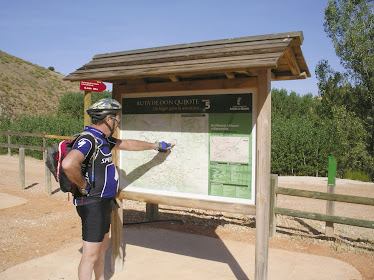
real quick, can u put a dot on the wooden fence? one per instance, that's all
(274, 210)
(275, 189)
(10, 146)
(22, 148)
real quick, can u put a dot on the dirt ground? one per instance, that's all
(42, 224)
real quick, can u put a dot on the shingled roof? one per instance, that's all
(229, 58)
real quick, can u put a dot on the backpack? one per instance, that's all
(58, 152)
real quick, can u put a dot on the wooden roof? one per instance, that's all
(229, 58)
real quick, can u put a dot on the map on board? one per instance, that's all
(229, 149)
(212, 152)
(185, 169)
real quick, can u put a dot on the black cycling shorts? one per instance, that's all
(95, 220)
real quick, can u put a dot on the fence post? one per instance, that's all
(116, 244)
(330, 205)
(151, 211)
(9, 150)
(48, 186)
(21, 158)
(273, 204)
(44, 147)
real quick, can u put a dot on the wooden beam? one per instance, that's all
(272, 76)
(324, 217)
(87, 104)
(117, 215)
(230, 75)
(326, 196)
(282, 76)
(292, 62)
(195, 203)
(198, 66)
(251, 73)
(190, 85)
(192, 54)
(174, 78)
(263, 144)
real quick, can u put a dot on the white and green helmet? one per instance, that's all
(104, 107)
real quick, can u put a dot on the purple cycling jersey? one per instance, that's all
(103, 180)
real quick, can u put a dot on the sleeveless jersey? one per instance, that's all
(104, 179)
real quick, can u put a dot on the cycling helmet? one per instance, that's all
(104, 107)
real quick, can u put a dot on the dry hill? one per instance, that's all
(29, 88)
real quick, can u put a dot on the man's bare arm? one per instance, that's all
(134, 145)
(72, 167)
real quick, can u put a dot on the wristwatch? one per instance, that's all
(83, 191)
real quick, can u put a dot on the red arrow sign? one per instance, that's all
(92, 86)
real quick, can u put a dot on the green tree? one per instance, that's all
(72, 103)
(350, 138)
(350, 25)
(300, 140)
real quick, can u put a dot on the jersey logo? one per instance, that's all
(81, 143)
(106, 160)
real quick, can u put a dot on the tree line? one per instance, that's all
(303, 135)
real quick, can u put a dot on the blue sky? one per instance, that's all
(67, 34)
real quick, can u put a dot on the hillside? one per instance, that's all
(29, 88)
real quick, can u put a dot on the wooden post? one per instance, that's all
(330, 205)
(48, 185)
(87, 104)
(44, 147)
(263, 143)
(9, 150)
(151, 212)
(21, 158)
(116, 254)
(116, 245)
(273, 204)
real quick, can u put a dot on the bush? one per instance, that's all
(49, 124)
(357, 175)
(72, 103)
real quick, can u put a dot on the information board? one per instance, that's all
(213, 140)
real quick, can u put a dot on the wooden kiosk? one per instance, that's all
(231, 66)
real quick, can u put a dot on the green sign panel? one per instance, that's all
(332, 171)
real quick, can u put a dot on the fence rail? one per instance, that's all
(27, 147)
(274, 210)
(326, 196)
(22, 148)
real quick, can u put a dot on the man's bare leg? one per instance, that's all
(90, 254)
(100, 262)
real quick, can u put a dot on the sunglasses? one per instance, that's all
(117, 119)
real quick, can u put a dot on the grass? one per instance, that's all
(357, 175)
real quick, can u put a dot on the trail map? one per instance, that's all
(213, 147)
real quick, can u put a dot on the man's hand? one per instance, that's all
(164, 147)
(84, 191)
